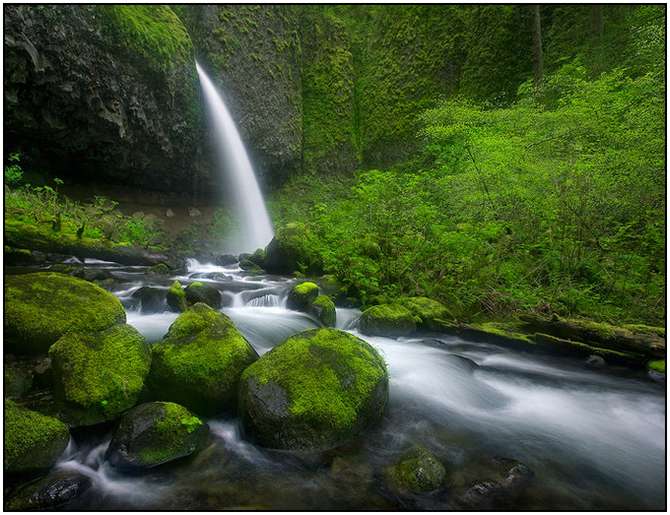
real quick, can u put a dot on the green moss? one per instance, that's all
(645, 329)
(329, 377)
(325, 310)
(176, 297)
(582, 349)
(199, 362)
(99, 375)
(302, 296)
(41, 307)
(431, 313)
(306, 288)
(417, 472)
(152, 31)
(504, 330)
(387, 320)
(657, 366)
(32, 441)
(292, 249)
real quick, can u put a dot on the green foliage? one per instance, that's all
(13, 171)
(550, 204)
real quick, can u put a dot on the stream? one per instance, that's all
(593, 439)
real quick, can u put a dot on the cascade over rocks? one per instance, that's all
(199, 362)
(316, 390)
(154, 433)
(41, 307)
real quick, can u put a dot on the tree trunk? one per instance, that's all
(537, 46)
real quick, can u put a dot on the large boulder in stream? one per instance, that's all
(155, 433)
(51, 492)
(302, 295)
(97, 376)
(324, 309)
(199, 362)
(203, 292)
(316, 390)
(291, 250)
(176, 298)
(41, 307)
(387, 320)
(33, 441)
(431, 314)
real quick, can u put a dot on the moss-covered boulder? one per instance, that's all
(317, 389)
(302, 296)
(324, 309)
(32, 441)
(203, 292)
(97, 376)
(291, 250)
(431, 314)
(154, 433)
(387, 320)
(199, 362)
(418, 471)
(176, 297)
(41, 307)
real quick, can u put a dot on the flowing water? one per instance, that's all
(254, 226)
(593, 439)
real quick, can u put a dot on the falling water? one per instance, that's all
(255, 228)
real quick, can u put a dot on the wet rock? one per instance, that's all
(314, 391)
(387, 320)
(199, 362)
(169, 213)
(159, 269)
(595, 362)
(289, 249)
(176, 298)
(32, 441)
(99, 375)
(350, 470)
(22, 374)
(155, 433)
(656, 370)
(226, 260)
(249, 266)
(214, 276)
(203, 292)
(324, 309)
(302, 296)
(51, 492)
(41, 307)
(418, 471)
(431, 314)
(150, 300)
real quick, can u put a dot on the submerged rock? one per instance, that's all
(97, 376)
(418, 471)
(41, 307)
(315, 390)
(176, 297)
(50, 492)
(199, 362)
(302, 296)
(155, 433)
(324, 309)
(387, 320)
(32, 441)
(203, 292)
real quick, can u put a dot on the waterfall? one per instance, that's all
(254, 226)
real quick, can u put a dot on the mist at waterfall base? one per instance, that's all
(253, 226)
(594, 439)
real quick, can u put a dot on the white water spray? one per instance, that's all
(255, 228)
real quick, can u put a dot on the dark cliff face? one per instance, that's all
(85, 91)
(252, 52)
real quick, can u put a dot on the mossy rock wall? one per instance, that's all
(252, 53)
(105, 93)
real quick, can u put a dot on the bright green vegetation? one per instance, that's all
(41, 307)
(99, 375)
(199, 362)
(432, 314)
(314, 390)
(388, 320)
(657, 366)
(154, 32)
(32, 441)
(417, 472)
(551, 202)
(44, 213)
(324, 309)
(293, 248)
(154, 433)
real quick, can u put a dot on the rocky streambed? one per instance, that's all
(248, 400)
